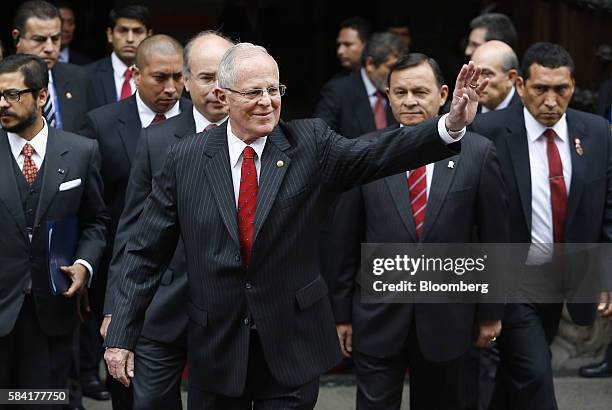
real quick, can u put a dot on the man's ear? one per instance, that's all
(443, 94)
(42, 97)
(16, 36)
(512, 75)
(520, 86)
(221, 95)
(136, 75)
(109, 35)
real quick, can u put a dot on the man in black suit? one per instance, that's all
(111, 79)
(490, 26)
(164, 334)
(500, 65)
(355, 105)
(117, 127)
(37, 29)
(352, 37)
(68, 54)
(555, 162)
(446, 201)
(46, 174)
(250, 197)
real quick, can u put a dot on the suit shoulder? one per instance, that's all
(304, 127)
(587, 117)
(109, 112)
(347, 82)
(76, 141)
(476, 142)
(72, 70)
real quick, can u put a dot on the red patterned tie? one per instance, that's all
(210, 126)
(417, 188)
(126, 88)
(247, 203)
(558, 190)
(158, 118)
(380, 115)
(29, 167)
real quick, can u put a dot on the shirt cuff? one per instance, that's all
(449, 137)
(88, 267)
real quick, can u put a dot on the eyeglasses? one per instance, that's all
(14, 96)
(257, 93)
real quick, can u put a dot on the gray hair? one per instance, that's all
(189, 45)
(227, 66)
(509, 61)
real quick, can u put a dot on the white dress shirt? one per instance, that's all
(64, 55)
(236, 146)
(201, 122)
(119, 68)
(504, 104)
(147, 115)
(541, 208)
(39, 143)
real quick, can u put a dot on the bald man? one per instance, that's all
(158, 75)
(500, 65)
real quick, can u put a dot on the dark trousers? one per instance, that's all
(157, 374)
(433, 385)
(121, 396)
(524, 377)
(262, 391)
(29, 359)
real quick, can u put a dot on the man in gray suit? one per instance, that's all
(250, 198)
(45, 174)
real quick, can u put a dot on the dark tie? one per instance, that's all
(210, 127)
(380, 115)
(417, 188)
(126, 88)
(158, 118)
(247, 203)
(49, 111)
(558, 190)
(29, 167)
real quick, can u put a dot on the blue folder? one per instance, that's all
(63, 237)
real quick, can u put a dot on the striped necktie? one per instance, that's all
(49, 111)
(417, 189)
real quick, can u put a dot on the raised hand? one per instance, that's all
(465, 97)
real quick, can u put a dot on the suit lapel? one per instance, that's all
(9, 193)
(441, 181)
(108, 80)
(219, 177)
(271, 175)
(363, 109)
(61, 82)
(55, 170)
(516, 140)
(130, 127)
(398, 187)
(186, 125)
(576, 130)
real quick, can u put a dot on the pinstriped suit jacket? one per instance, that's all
(282, 290)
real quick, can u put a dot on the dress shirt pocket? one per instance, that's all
(311, 293)
(198, 315)
(65, 186)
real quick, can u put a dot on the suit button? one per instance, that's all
(246, 321)
(248, 285)
(30, 211)
(31, 257)
(237, 257)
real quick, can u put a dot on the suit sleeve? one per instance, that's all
(606, 231)
(492, 222)
(93, 216)
(328, 107)
(148, 251)
(346, 236)
(137, 191)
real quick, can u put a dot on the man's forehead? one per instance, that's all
(422, 73)
(35, 26)
(128, 23)
(11, 80)
(548, 75)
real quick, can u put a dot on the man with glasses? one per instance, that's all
(248, 200)
(45, 174)
(37, 30)
(164, 334)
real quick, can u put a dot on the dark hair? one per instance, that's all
(33, 68)
(381, 46)
(413, 60)
(397, 20)
(360, 25)
(498, 27)
(547, 55)
(36, 8)
(132, 12)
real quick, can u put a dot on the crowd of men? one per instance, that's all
(217, 240)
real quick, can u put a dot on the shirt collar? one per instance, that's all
(50, 77)
(504, 104)
(201, 122)
(119, 66)
(535, 129)
(64, 55)
(39, 142)
(236, 146)
(370, 88)
(147, 115)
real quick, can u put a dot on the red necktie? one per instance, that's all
(158, 118)
(126, 88)
(417, 188)
(558, 190)
(247, 203)
(29, 167)
(380, 115)
(210, 126)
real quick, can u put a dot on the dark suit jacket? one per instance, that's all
(78, 58)
(101, 81)
(589, 208)
(514, 101)
(166, 317)
(22, 260)
(303, 164)
(604, 100)
(70, 82)
(466, 198)
(345, 106)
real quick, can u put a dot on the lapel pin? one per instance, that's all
(60, 171)
(451, 164)
(578, 147)
(280, 164)
(69, 95)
